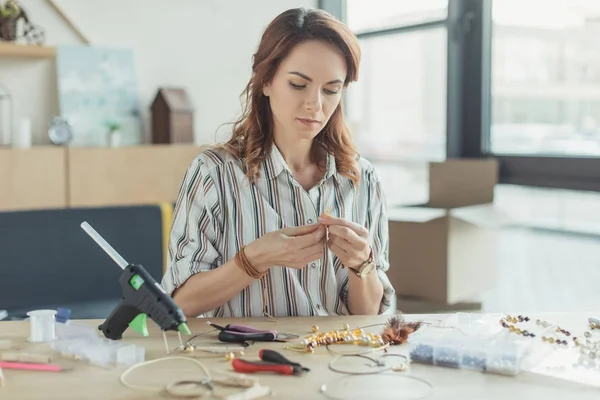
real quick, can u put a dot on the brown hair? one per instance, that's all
(252, 137)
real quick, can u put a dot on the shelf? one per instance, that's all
(8, 49)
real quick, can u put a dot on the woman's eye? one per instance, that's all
(332, 92)
(297, 86)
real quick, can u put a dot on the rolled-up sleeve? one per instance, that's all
(192, 242)
(377, 224)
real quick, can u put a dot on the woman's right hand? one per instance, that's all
(293, 247)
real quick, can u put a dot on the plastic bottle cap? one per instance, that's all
(41, 325)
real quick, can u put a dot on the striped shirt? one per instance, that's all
(218, 211)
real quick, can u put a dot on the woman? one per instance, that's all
(250, 235)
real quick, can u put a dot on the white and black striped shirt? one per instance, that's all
(218, 211)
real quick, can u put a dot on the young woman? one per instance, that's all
(285, 219)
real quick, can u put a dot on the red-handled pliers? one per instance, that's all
(271, 361)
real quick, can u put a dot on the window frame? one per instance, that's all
(469, 101)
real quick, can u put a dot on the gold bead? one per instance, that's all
(346, 327)
(188, 349)
(315, 328)
(229, 356)
(358, 332)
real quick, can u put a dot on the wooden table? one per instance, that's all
(92, 382)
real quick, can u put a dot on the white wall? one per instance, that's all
(204, 46)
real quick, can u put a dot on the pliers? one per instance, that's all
(271, 361)
(235, 333)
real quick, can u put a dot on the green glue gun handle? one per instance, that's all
(123, 316)
(143, 299)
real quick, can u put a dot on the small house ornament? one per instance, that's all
(172, 117)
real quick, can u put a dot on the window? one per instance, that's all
(377, 15)
(398, 108)
(545, 78)
(520, 85)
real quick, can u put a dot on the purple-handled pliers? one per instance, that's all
(235, 333)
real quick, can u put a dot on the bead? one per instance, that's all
(188, 348)
(346, 327)
(587, 334)
(314, 328)
(229, 356)
(399, 367)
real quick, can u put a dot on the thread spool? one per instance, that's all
(41, 325)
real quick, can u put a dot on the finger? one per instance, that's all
(300, 230)
(314, 256)
(346, 234)
(334, 221)
(338, 251)
(339, 242)
(306, 240)
(315, 253)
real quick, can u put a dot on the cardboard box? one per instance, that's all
(445, 251)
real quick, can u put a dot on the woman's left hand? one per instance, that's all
(349, 241)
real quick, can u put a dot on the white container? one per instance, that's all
(22, 136)
(42, 326)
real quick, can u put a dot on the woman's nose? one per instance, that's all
(314, 102)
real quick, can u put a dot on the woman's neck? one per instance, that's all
(297, 153)
(299, 159)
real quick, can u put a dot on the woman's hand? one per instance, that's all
(349, 241)
(293, 247)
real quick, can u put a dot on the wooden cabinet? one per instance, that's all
(33, 178)
(56, 177)
(127, 175)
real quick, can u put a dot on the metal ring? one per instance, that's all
(175, 388)
(375, 360)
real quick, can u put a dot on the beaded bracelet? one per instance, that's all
(510, 321)
(356, 336)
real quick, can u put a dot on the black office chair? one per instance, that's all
(47, 260)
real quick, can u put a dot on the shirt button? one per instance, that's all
(310, 221)
(314, 265)
(318, 306)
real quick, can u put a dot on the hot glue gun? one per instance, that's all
(142, 296)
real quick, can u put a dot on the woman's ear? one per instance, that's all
(266, 90)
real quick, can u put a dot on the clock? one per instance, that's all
(61, 131)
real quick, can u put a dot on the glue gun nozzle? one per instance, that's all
(183, 328)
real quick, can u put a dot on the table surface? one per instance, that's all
(86, 381)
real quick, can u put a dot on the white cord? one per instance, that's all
(157, 388)
(252, 391)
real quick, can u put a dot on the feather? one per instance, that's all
(397, 330)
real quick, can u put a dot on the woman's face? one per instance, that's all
(306, 90)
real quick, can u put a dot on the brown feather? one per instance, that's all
(397, 330)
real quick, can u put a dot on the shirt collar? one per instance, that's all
(275, 164)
